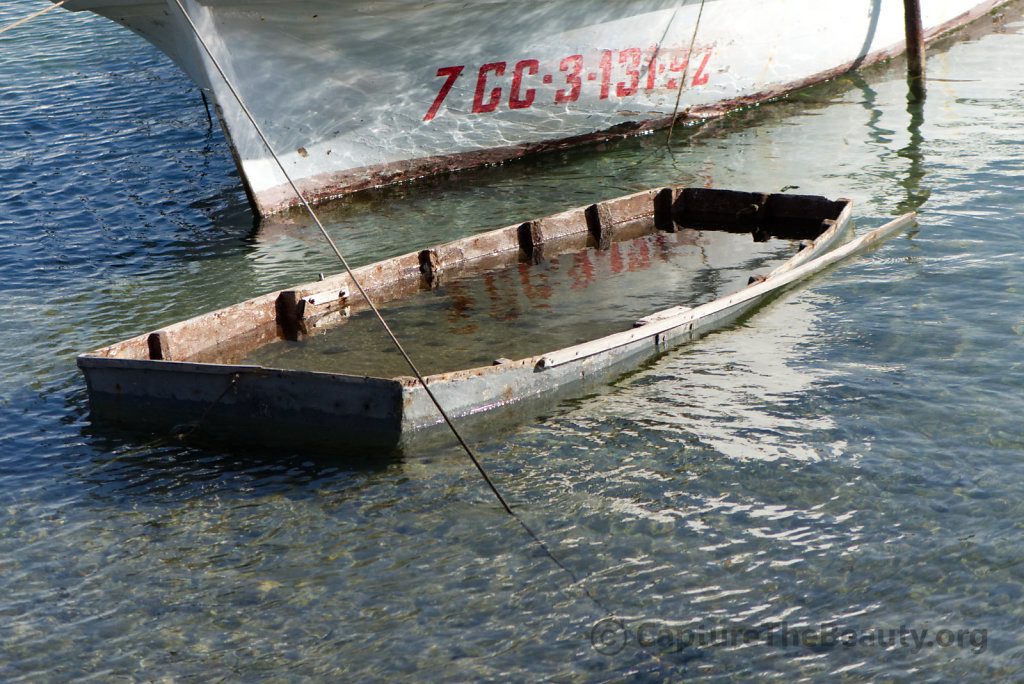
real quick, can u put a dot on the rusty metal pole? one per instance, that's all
(915, 47)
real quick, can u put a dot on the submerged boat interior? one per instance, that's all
(508, 293)
(527, 308)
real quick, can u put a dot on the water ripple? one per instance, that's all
(848, 456)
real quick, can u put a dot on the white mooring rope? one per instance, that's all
(32, 16)
(533, 535)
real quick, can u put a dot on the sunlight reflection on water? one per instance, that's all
(849, 454)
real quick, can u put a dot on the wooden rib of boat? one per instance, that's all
(198, 375)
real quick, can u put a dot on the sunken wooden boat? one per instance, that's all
(227, 373)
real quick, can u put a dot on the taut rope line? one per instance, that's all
(380, 318)
(32, 16)
(686, 72)
(341, 258)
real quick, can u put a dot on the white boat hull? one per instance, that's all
(359, 93)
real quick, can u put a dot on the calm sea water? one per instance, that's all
(833, 488)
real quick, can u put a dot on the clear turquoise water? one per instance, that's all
(848, 457)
